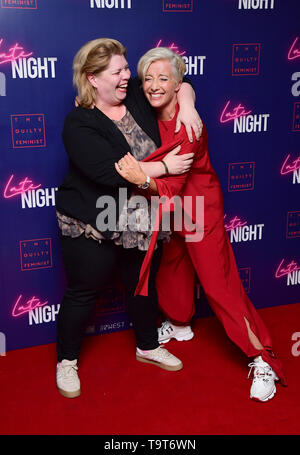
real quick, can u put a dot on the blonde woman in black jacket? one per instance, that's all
(113, 119)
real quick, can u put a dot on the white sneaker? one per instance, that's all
(168, 331)
(160, 357)
(263, 385)
(67, 379)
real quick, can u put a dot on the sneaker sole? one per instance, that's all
(160, 365)
(178, 338)
(266, 399)
(69, 394)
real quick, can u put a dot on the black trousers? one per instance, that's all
(88, 266)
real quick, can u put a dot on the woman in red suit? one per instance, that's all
(207, 252)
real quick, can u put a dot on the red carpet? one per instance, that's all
(123, 396)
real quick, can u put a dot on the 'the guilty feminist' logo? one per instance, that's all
(28, 130)
(35, 254)
(245, 59)
(19, 4)
(178, 6)
(241, 176)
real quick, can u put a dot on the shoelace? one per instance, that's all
(167, 327)
(69, 371)
(159, 354)
(260, 372)
(162, 353)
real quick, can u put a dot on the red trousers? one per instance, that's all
(213, 261)
(211, 258)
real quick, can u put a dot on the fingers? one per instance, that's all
(123, 164)
(126, 160)
(130, 157)
(197, 127)
(118, 169)
(186, 168)
(196, 131)
(120, 164)
(188, 163)
(189, 133)
(175, 150)
(187, 156)
(184, 158)
(200, 127)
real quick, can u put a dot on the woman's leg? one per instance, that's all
(252, 337)
(88, 266)
(215, 265)
(144, 310)
(175, 282)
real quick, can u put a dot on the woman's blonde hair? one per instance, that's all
(93, 58)
(162, 53)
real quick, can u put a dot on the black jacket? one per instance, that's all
(94, 143)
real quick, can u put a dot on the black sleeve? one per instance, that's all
(92, 154)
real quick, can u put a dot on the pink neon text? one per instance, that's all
(293, 52)
(23, 186)
(15, 52)
(291, 267)
(238, 111)
(30, 305)
(286, 168)
(172, 46)
(234, 223)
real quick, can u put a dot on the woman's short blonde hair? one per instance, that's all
(93, 58)
(162, 53)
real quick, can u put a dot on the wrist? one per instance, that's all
(144, 183)
(141, 180)
(165, 167)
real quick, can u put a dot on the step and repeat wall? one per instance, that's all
(243, 58)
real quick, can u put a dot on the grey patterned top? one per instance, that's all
(134, 224)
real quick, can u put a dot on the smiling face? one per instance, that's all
(111, 84)
(160, 87)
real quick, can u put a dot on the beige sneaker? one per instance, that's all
(160, 357)
(67, 379)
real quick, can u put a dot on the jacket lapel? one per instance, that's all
(109, 129)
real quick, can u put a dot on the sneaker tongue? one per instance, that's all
(70, 363)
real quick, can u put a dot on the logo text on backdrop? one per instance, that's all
(110, 4)
(256, 4)
(28, 130)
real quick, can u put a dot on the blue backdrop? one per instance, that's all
(243, 57)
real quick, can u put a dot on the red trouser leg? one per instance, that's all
(215, 265)
(175, 281)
